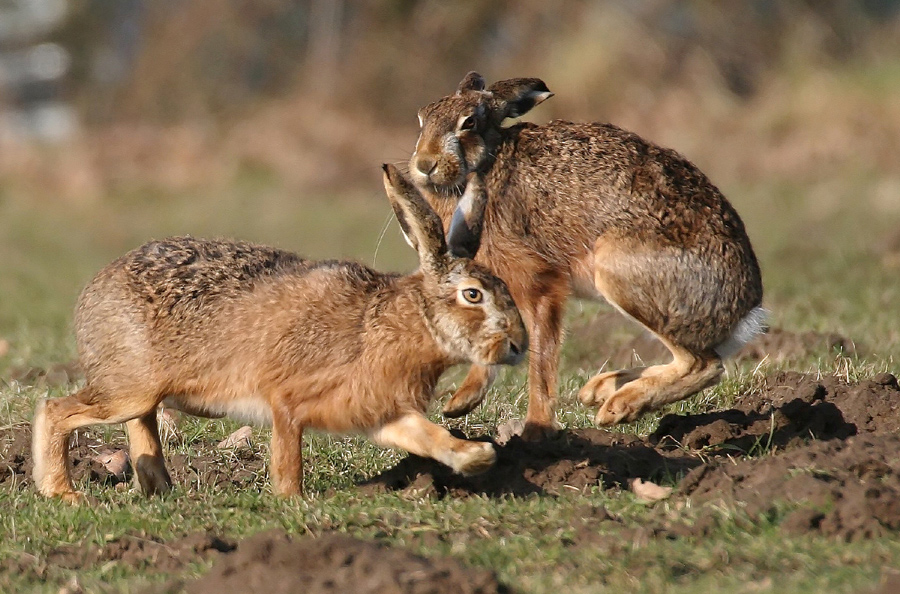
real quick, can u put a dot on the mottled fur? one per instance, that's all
(590, 209)
(223, 327)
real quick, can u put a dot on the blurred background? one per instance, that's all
(268, 120)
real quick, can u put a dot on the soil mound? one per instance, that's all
(791, 409)
(136, 551)
(272, 562)
(849, 489)
(822, 445)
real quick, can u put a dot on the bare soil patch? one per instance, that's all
(824, 445)
(275, 563)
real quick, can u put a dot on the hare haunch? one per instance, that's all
(220, 327)
(591, 210)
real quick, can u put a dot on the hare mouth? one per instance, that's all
(448, 189)
(514, 354)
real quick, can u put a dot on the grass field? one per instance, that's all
(824, 270)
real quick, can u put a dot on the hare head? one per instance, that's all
(458, 132)
(468, 310)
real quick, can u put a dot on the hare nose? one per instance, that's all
(426, 164)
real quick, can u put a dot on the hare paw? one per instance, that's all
(475, 458)
(598, 389)
(150, 475)
(528, 431)
(73, 498)
(464, 401)
(618, 409)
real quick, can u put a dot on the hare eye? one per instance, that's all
(468, 123)
(472, 295)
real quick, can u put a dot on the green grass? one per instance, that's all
(821, 273)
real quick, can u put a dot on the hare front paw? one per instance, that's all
(464, 401)
(474, 458)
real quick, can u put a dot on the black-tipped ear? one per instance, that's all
(419, 222)
(516, 96)
(464, 235)
(471, 82)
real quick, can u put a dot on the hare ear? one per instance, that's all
(419, 222)
(516, 96)
(471, 82)
(464, 235)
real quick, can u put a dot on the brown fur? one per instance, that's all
(216, 327)
(592, 210)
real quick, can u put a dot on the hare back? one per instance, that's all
(182, 279)
(185, 314)
(567, 183)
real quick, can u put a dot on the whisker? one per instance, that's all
(384, 229)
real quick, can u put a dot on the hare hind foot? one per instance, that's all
(600, 387)
(670, 383)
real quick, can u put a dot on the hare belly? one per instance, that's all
(247, 409)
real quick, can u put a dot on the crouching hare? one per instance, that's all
(220, 327)
(591, 210)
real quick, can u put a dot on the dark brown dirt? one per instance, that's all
(137, 551)
(815, 454)
(823, 445)
(272, 562)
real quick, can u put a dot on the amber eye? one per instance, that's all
(468, 123)
(472, 295)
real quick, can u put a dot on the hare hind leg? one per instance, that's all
(55, 420)
(150, 471)
(417, 435)
(635, 278)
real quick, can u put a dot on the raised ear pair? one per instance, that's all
(512, 97)
(423, 228)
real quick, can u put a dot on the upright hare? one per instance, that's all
(591, 210)
(221, 327)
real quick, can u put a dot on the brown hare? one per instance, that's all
(590, 210)
(221, 327)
